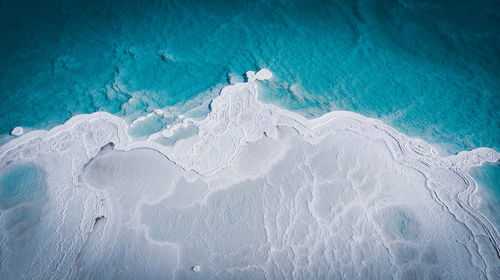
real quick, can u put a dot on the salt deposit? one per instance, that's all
(253, 192)
(17, 131)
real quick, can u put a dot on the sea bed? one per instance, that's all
(250, 191)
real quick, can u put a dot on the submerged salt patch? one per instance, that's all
(17, 131)
(20, 183)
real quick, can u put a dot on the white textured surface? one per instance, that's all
(17, 131)
(257, 192)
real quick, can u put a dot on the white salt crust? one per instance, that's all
(257, 192)
(17, 131)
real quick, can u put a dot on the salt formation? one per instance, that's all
(17, 131)
(255, 192)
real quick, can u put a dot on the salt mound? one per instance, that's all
(17, 131)
(263, 74)
(254, 192)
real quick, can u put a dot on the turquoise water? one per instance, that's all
(429, 68)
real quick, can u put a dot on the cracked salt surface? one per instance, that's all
(255, 192)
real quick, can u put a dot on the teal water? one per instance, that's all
(429, 68)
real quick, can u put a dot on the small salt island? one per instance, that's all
(17, 131)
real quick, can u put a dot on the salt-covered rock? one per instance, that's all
(263, 74)
(250, 76)
(17, 131)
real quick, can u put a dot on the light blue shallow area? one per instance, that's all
(488, 178)
(20, 184)
(429, 68)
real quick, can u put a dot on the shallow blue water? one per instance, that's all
(20, 184)
(430, 69)
(488, 178)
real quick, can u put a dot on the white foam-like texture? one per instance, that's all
(256, 192)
